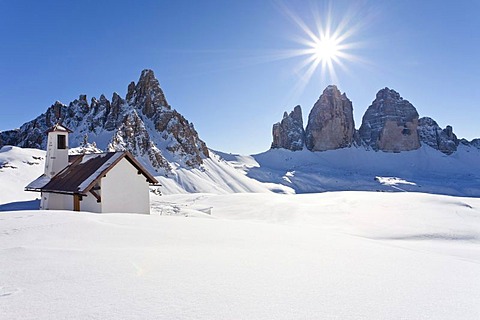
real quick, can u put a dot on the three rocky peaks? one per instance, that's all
(142, 123)
(162, 139)
(390, 124)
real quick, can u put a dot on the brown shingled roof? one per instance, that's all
(82, 175)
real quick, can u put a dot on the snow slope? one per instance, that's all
(282, 171)
(424, 170)
(335, 255)
(19, 167)
(215, 176)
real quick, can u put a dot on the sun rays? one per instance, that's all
(321, 46)
(326, 44)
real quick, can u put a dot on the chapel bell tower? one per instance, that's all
(57, 150)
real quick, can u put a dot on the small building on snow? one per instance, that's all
(97, 182)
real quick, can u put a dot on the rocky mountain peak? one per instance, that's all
(330, 122)
(115, 96)
(289, 133)
(166, 138)
(296, 114)
(390, 123)
(388, 94)
(431, 134)
(331, 89)
(130, 91)
(147, 94)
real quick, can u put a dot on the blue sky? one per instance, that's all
(218, 61)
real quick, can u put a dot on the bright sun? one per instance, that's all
(325, 49)
(326, 44)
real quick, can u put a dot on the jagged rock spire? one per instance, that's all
(147, 94)
(431, 134)
(143, 124)
(330, 122)
(289, 133)
(390, 123)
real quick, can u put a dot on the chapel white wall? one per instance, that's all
(89, 203)
(124, 190)
(55, 201)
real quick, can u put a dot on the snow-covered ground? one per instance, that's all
(19, 167)
(426, 170)
(263, 255)
(282, 171)
(337, 255)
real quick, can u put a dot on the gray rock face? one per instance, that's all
(475, 143)
(330, 122)
(289, 133)
(180, 136)
(147, 95)
(132, 135)
(431, 134)
(143, 124)
(390, 123)
(32, 134)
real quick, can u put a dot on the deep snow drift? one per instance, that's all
(336, 255)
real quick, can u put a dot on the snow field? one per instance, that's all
(262, 255)
(361, 255)
(19, 167)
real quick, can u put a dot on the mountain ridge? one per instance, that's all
(142, 123)
(390, 124)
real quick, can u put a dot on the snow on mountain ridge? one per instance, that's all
(355, 168)
(19, 167)
(143, 123)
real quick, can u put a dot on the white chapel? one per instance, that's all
(97, 182)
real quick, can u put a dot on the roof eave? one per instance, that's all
(151, 179)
